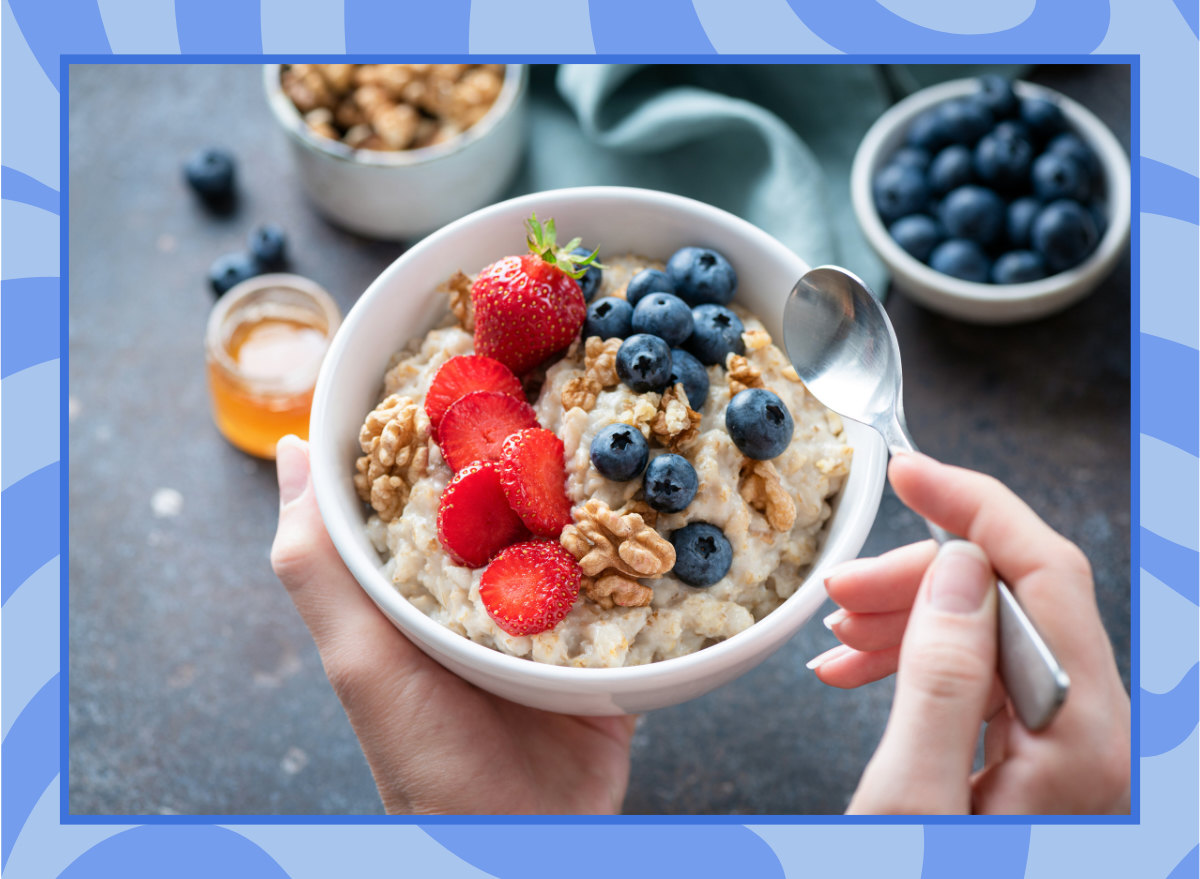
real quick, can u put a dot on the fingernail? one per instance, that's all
(834, 618)
(962, 576)
(818, 661)
(291, 467)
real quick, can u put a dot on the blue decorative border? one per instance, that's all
(38, 837)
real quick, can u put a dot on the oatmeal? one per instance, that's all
(754, 498)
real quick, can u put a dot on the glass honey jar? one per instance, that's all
(264, 345)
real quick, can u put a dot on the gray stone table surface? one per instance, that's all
(194, 686)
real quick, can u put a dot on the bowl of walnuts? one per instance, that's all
(396, 151)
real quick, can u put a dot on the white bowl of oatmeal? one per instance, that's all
(420, 180)
(687, 641)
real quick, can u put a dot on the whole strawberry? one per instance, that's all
(529, 307)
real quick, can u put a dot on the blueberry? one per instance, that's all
(702, 554)
(1013, 128)
(718, 332)
(1043, 119)
(950, 169)
(973, 212)
(1064, 233)
(701, 276)
(689, 371)
(1068, 144)
(997, 95)
(230, 270)
(1020, 219)
(644, 363)
(647, 281)
(927, 131)
(670, 483)
(759, 424)
(918, 234)
(665, 316)
(1057, 176)
(899, 191)
(620, 452)
(911, 157)
(961, 258)
(590, 282)
(965, 120)
(268, 244)
(609, 318)
(1018, 267)
(1002, 161)
(210, 172)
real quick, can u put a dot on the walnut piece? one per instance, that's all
(676, 423)
(755, 339)
(602, 539)
(615, 589)
(742, 374)
(459, 289)
(395, 444)
(600, 372)
(760, 488)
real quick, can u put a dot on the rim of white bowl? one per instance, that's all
(1084, 123)
(292, 120)
(326, 472)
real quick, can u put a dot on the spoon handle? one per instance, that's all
(1035, 681)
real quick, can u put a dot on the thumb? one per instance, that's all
(946, 673)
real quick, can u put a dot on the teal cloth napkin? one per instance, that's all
(770, 143)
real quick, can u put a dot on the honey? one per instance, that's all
(265, 343)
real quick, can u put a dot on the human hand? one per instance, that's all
(435, 743)
(930, 616)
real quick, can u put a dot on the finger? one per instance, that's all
(946, 674)
(868, 631)
(883, 584)
(349, 630)
(846, 668)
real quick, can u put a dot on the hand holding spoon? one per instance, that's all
(842, 345)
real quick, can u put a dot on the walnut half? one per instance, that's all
(395, 442)
(761, 488)
(601, 539)
(616, 589)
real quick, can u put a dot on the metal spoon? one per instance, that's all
(841, 343)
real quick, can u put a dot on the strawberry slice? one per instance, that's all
(475, 427)
(474, 519)
(530, 586)
(534, 479)
(463, 374)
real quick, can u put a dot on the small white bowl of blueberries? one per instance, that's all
(993, 202)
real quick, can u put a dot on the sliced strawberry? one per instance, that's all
(474, 519)
(475, 427)
(534, 479)
(530, 586)
(463, 374)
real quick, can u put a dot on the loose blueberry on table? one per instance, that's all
(230, 270)
(211, 173)
(268, 244)
(1001, 168)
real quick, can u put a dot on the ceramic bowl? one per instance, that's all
(406, 194)
(991, 303)
(402, 303)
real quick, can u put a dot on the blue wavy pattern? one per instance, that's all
(218, 27)
(181, 852)
(1190, 10)
(29, 529)
(697, 851)
(1168, 191)
(1173, 565)
(1170, 399)
(663, 27)
(864, 26)
(28, 323)
(60, 27)
(415, 27)
(953, 851)
(16, 186)
(30, 754)
(1169, 718)
(1189, 867)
